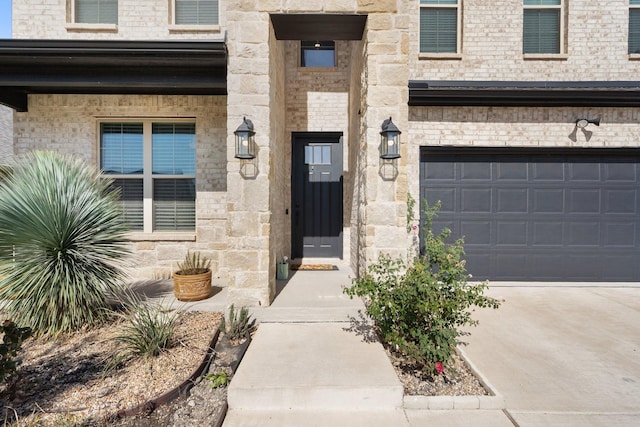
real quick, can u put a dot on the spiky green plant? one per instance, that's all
(193, 264)
(238, 325)
(147, 331)
(66, 231)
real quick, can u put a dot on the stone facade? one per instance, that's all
(6, 135)
(244, 206)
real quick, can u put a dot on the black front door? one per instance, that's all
(317, 195)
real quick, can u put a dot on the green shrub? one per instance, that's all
(418, 308)
(238, 324)
(12, 338)
(67, 237)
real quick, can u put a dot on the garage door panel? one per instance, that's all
(539, 214)
(447, 197)
(475, 200)
(548, 171)
(512, 200)
(583, 201)
(440, 170)
(622, 234)
(621, 201)
(512, 233)
(548, 233)
(584, 234)
(621, 170)
(474, 171)
(584, 171)
(547, 200)
(513, 170)
(479, 265)
(476, 232)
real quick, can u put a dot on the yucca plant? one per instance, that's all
(147, 331)
(193, 264)
(66, 231)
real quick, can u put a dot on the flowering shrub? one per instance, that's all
(418, 308)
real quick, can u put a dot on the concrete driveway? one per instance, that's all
(562, 355)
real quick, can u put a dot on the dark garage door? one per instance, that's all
(540, 216)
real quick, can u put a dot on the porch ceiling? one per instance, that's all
(524, 93)
(110, 67)
(318, 26)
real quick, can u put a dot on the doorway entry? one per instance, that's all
(316, 187)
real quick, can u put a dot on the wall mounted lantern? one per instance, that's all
(583, 123)
(390, 140)
(245, 140)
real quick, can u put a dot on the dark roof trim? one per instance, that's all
(318, 26)
(524, 94)
(110, 67)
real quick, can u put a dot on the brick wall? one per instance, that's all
(137, 20)
(69, 124)
(596, 40)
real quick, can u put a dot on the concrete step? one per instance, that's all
(285, 418)
(314, 366)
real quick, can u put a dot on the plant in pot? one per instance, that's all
(192, 280)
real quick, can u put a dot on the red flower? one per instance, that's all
(439, 367)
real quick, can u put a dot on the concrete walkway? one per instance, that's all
(560, 355)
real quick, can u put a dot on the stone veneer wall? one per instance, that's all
(6, 134)
(70, 124)
(384, 184)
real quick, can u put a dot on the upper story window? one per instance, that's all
(95, 11)
(196, 12)
(153, 164)
(634, 26)
(543, 26)
(317, 54)
(440, 26)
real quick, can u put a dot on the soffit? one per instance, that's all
(109, 67)
(318, 26)
(524, 93)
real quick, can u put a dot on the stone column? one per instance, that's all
(387, 68)
(248, 184)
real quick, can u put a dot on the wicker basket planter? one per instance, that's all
(192, 287)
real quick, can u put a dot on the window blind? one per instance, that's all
(541, 27)
(96, 11)
(174, 148)
(131, 196)
(196, 12)
(439, 30)
(121, 148)
(634, 27)
(174, 204)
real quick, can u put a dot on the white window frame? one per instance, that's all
(73, 25)
(453, 55)
(175, 27)
(562, 50)
(147, 171)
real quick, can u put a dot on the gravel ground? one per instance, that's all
(63, 381)
(63, 384)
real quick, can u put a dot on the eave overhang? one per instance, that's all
(110, 67)
(318, 26)
(524, 93)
